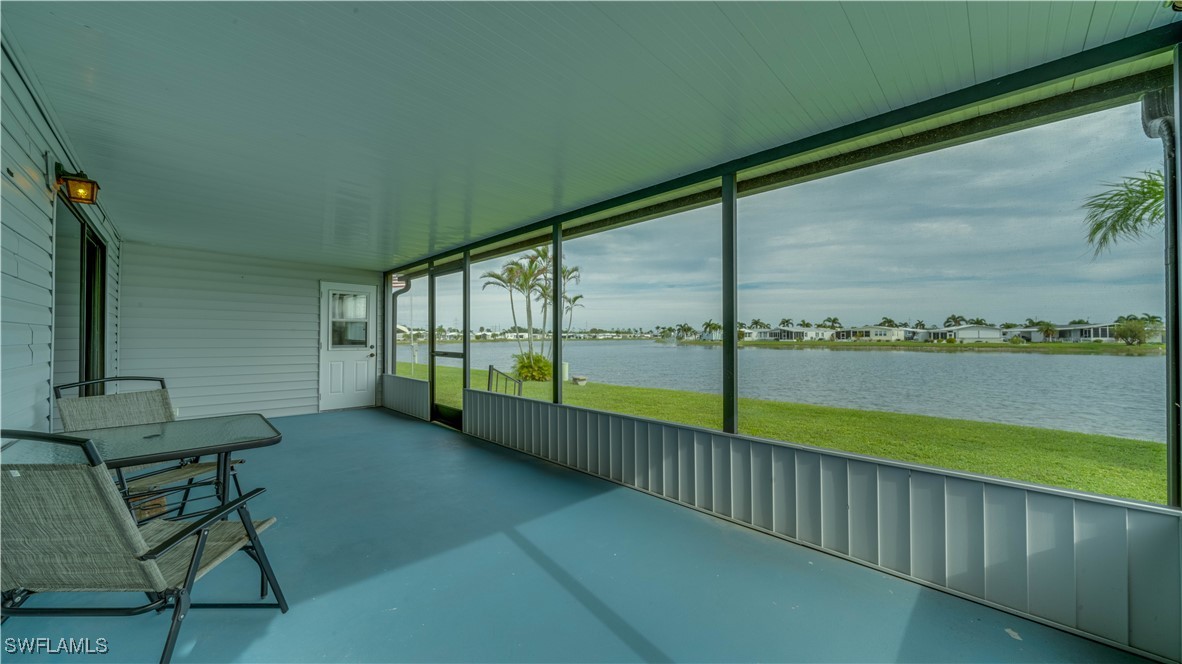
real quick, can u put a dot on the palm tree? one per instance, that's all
(1152, 319)
(786, 322)
(710, 327)
(919, 324)
(977, 321)
(888, 322)
(1048, 330)
(1128, 210)
(757, 324)
(953, 320)
(531, 271)
(831, 322)
(1079, 321)
(544, 290)
(805, 323)
(505, 279)
(543, 286)
(684, 330)
(569, 302)
(1122, 319)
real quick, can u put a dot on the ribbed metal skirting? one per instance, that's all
(406, 395)
(1106, 568)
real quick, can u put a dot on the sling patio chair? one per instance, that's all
(67, 529)
(143, 491)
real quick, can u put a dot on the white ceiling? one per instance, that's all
(372, 134)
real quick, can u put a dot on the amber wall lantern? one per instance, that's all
(78, 187)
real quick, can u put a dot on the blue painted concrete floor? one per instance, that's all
(401, 541)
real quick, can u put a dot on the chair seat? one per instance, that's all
(67, 529)
(225, 537)
(173, 475)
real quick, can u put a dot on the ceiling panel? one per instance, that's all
(371, 134)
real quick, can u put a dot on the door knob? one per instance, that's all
(371, 354)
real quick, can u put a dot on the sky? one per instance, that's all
(991, 229)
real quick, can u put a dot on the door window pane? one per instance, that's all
(350, 328)
(349, 306)
(348, 333)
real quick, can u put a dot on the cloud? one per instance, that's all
(992, 228)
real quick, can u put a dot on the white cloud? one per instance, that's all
(992, 229)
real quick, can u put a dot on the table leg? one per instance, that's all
(223, 481)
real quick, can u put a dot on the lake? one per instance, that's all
(1105, 394)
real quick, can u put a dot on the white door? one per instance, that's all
(348, 361)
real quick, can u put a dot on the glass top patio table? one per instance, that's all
(126, 446)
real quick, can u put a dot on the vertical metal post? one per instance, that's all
(556, 306)
(467, 319)
(1173, 321)
(730, 307)
(431, 337)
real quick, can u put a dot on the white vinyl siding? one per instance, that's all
(229, 334)
(28, 262)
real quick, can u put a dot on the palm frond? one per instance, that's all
(1128, 210)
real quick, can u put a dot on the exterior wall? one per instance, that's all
(230, 334)
(1105, 568)
(27, 243)
(977, 334)
(406, 395)
(880, 333)
(803, 333)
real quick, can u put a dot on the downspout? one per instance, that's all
(393, 313)
(1157, 120)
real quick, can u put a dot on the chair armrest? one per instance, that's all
(196, 526)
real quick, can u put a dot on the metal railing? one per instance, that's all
(501, 382)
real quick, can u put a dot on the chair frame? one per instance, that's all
(57, 389)
(179, 597)
(134, 499)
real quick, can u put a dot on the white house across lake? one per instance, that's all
(1079, 333)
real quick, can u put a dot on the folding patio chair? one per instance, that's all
(130, 408)
(66, 529)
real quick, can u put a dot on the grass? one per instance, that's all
(1107, 465)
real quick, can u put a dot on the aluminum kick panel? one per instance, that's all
(1103, 567)
(407, 396)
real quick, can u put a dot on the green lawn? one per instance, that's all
(1099, 464)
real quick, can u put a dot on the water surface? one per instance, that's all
(1105, 394)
